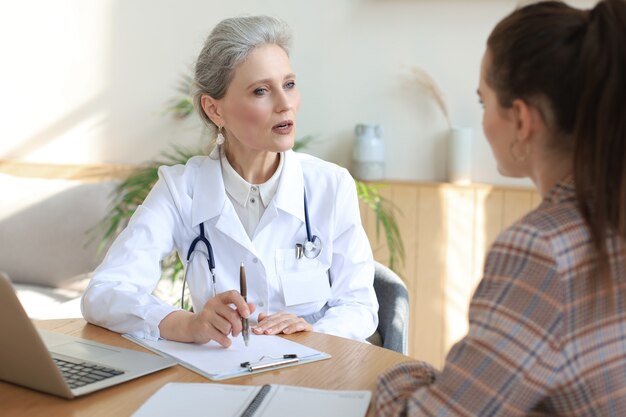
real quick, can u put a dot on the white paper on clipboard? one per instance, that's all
(218, 363)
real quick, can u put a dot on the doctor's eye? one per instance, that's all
(290, 85)
(261, 91)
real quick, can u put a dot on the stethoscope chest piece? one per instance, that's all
(312, 245)
(312, 248)
(309, 249)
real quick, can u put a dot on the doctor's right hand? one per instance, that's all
(218, 319)
(215, 321)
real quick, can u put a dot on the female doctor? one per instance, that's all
(292, 219)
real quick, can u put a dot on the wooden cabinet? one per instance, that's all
(446, 230)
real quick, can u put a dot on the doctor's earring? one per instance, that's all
(220, 139)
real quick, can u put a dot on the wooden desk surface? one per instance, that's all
(353, 366)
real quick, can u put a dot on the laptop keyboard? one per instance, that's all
(81, 374)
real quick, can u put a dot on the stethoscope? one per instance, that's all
(310, 248)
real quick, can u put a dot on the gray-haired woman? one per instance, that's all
(292, 219)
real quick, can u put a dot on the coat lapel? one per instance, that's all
(210, 204)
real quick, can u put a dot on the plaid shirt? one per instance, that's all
(542, 340)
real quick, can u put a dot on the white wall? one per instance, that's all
(87, 81)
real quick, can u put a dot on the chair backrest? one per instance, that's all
(393, 310)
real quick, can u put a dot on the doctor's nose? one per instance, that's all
(286, 101)
(283, 103)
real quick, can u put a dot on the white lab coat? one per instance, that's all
(334, 291)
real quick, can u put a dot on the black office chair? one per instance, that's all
(393, 311)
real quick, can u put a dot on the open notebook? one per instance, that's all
(218, 363)
(196, 400)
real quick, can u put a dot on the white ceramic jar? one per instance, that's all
(460, 156)
(368, 153)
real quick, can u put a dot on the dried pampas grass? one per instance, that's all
(425, 81)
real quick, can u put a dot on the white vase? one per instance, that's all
(460, 156)
(368, 153)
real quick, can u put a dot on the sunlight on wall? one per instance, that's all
(28, 192)
(482, 237)
(460, 215)
(73, 144)
(55, 79)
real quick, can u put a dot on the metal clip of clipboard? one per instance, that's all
(264, 364)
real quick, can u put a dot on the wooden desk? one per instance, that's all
(353, 366)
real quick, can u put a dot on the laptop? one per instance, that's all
(58, 364)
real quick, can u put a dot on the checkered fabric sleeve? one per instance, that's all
(506, 363)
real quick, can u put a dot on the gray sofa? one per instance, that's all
(44, 245)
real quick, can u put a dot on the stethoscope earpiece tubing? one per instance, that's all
(313, 245)
(306, 219)
(202, 238)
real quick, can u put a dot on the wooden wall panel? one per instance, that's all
(406, 200)
(380, 248)
(536, 200)
(516, 204)
(446, 231)
(429, 297)
(488, 223)
(459, 220)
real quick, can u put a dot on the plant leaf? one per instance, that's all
(385, 212)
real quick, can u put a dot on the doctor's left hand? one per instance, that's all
(281, 322)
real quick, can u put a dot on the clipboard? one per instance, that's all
(211, 360)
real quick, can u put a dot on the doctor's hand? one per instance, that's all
(281, 322)
(215, 321)
(218, 318)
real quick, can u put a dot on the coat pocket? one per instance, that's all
(303, 280)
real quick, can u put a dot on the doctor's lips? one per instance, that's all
(283, 128)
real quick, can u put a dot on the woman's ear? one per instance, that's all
(523, 120)
(211, 108)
